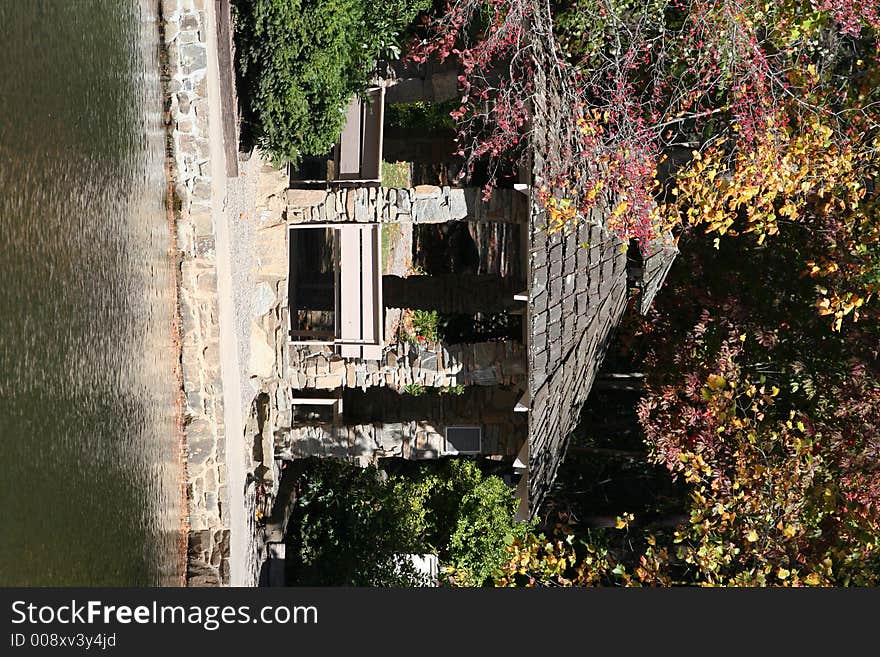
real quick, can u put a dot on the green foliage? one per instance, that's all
(301, 61)
(414, 389)
(389, 22)
(429, 117)
(481, 511)
(456, 390)
(426, 323)
(421, 325)
(348, 527)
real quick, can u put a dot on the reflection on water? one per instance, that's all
(88, 473)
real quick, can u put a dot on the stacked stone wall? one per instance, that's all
(420, 204)
(185, 31)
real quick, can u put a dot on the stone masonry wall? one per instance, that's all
(279, 369)
(423, 438)
(185, 37)
(431, 365)
(421, 204)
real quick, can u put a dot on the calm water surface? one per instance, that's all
(87, 424)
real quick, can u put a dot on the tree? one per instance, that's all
(771, 420)
(471, 521)
(776, 495)
(301, 61)
(350, 526)
(765, 417)
(736, 116)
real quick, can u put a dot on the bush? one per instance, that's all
(429, 117)
(472, 516)
(349, 527)
(426, 324)
(301, 61)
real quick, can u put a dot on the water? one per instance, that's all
(88, 472)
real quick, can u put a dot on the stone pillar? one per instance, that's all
(430, 204)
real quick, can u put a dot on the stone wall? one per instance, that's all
(421, 204)
(411, 427)
(493, 372)
(496, 370)
(431, 365)
(185, 38)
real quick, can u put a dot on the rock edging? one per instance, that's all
(184, 25)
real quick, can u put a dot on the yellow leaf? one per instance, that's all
(716, 382)
(783, 574)
(752, 536)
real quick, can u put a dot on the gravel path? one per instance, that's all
(233, 253)
(240, 203)
(239, 212)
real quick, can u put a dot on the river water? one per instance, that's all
(89, 488)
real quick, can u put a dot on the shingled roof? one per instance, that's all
(577, 296)
(656, 264)
(578, 290)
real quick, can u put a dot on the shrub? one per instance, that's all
(301, 61)
(350, 527)
(414, 389)
(470, 520)
(422, 116)
(426, 323)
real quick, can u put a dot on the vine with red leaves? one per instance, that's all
(615, 96)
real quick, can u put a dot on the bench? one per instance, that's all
(358, 154)
(360, 292)
(354, 292)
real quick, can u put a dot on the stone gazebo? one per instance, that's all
(523, 316)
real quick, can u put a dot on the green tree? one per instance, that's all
(470, 521)
(301, 61)
(352, 526)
